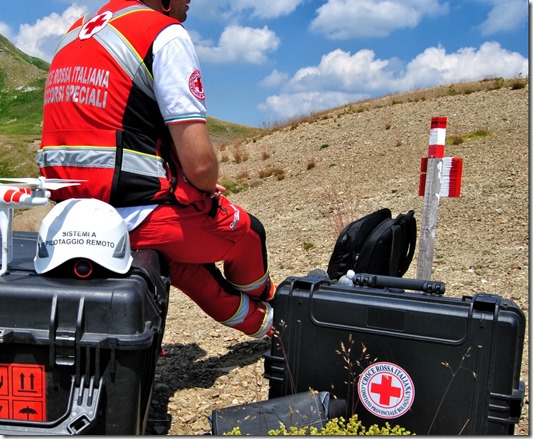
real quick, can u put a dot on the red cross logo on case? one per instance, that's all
(386, 390)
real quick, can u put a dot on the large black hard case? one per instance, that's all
(79, 356)
(460, 358)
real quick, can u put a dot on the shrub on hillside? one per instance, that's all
(336, 427)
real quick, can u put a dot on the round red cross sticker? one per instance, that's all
(95, 25)
(386, 390)
(196, 86)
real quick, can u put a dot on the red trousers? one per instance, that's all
(193, 238)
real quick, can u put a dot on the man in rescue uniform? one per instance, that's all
(124, 109)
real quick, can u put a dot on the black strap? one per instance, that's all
(167, 157)
(409, 239)
(221, 280)
(214, 206)
(366, 251)
(394, 257)
(403, 237)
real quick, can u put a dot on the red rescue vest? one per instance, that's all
(101, 120)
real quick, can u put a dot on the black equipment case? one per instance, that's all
(431, 364)
(306, 409)
(79, 356)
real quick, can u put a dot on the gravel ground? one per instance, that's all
(347, 163)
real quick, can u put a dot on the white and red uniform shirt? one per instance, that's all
(177, 82)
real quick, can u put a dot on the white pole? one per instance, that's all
(428, 229)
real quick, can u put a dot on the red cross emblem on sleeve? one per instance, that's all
(195, 85)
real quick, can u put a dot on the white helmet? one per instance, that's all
(84, 230)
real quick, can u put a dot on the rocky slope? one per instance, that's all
(344, 164)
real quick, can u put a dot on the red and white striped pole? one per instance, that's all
(437, 137)
(439, 177)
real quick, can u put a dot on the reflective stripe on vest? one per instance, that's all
(143, 164)
(101, 157)
(79, 156)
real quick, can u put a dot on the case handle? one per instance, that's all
(379, 281)
(80, 417)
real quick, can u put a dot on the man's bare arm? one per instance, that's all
(196, 154)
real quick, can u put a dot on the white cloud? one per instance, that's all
(434, 66)
(240, 44)
(41, 38)
(341, 77)
(264, 9)
(5, 30)
(233, 8)
(345, 19)
(275, 79)
(286, 106)
(198, 40)
(505, 16)
(340, 70)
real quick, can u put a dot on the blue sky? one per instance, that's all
(264, 62)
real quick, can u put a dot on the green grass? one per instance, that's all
(21, 111)
(15, 53)
(476, 135)
(17, 157)
(457, 139)
(230, 132)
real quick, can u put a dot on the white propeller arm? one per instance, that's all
(21, 193)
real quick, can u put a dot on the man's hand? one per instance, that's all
(219, 189)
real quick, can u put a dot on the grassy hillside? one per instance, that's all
(22, 79)
(13, 54)
(21, 89)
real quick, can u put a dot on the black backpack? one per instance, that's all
(375, 244)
